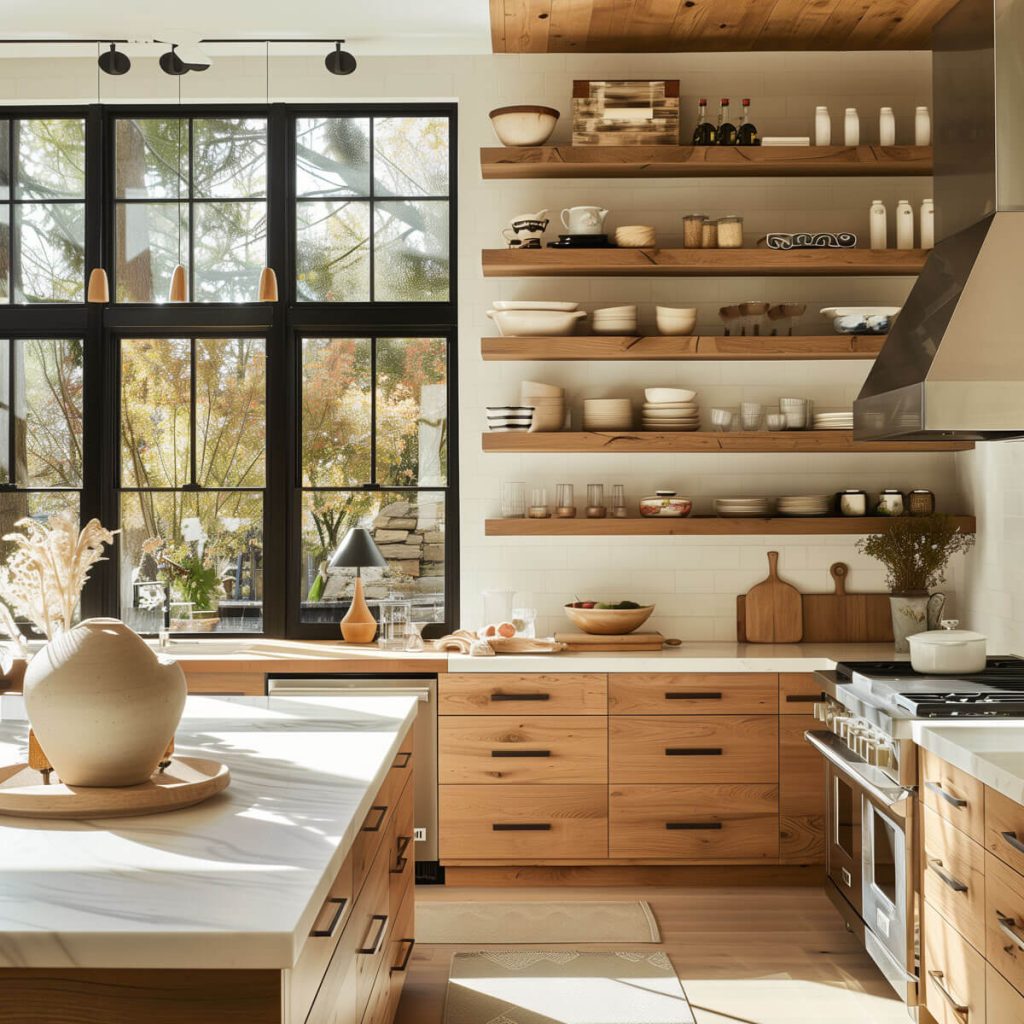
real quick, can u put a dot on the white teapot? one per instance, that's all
(584, 220)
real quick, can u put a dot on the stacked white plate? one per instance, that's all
(505, 418)
(833, 420)
(805, 505)
(743, 508)
(614, 320)
(670, 409)
(607, 414)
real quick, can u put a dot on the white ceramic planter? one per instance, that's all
(102, 704)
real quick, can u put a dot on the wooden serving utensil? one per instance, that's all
(774, 609)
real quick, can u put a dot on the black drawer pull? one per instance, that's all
(382, 813)
(411, 945)
(683, 695)
(400, 858)
(339, 908)
(407, 754)
(803, 698)
(374, 948)
(1012, 840)
(520, 696)
(520, 753)
(693, 751)
(693, 826)
(515, 826)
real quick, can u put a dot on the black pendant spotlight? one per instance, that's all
(171, 63)
(339, 61)
(114, 62)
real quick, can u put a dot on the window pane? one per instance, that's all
(410, 156)
(5, 254)
(155, 385)
(5, 153)
(409, 530)
(231, 422)
(412, 424)
(336, 411)
(410, 249)
(200, 553)
(51, 244)
(333, 246)
(152, 158)
(148, 249)
(51, 159)
(48, 426)
(230, 157)
(332, 156)
(230, 250)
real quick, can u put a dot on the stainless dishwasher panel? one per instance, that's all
(424, 733)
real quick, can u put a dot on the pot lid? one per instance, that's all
(949, 635)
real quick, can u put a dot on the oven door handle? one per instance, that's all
(872, 780)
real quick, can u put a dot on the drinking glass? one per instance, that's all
(414, 637)
(539, 503)
(513, 499)
(565, 504)
(751, 415)
(619, 501)
(596, 508)
(525, 621)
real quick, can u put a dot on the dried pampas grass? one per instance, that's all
(43, 578)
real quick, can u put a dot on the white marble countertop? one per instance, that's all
(691, 657)
(992, 752)
(235, 882)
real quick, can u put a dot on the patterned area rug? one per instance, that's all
(503, 924)
(537, 987)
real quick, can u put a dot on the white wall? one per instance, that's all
(693, 580)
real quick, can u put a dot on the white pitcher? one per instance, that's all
(584, 220)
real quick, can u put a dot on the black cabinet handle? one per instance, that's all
(400, 858)
(411, 945)
(702, 695)
(520, 696)
(693, 826)
(407, 754)
(520, 753)
(803, 698)
(382, 813)
(515, 826)
(339, 908)
(1011, 838)
(374, 947)
(693, 751)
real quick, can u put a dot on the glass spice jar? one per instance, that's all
(730, 232)
(693, 231)
(709, 234)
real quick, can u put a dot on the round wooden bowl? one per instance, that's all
(609, 621)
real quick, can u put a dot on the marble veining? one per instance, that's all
(235, 882)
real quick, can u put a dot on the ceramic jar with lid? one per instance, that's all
(920, 502)
(665, 504)
(890, 503)
(852, 502)
(730, 232)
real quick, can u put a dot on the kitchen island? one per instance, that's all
(237, 909)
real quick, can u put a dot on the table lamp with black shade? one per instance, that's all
(358, 551)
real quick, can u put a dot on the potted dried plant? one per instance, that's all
(915, 551)
(103, 706)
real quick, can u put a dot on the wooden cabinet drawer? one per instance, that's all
(724, 822)
(1004, 829)
(801, 794)
(689, 693)
(954, 877)
(550, 749)
(953, 794)
(401, 843)
(694, 749)
(535, 822)
(370, 921)
(798, 692)
(1003, 1003)
(1004, 920)
(378, 819)
(954, 974)
(506, 693)
(378, 1001)
(402, 944)
(336, 1000)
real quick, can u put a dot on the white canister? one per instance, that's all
(822, 127)
(878, 225)
(927, 224)
(904, 225)
(948, 650)
(886, 127)
(851, 127)
(922, 127)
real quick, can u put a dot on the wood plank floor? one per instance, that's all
(744, 956)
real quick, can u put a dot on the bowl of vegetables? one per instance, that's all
(607, 619)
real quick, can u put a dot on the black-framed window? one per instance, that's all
(153, 463)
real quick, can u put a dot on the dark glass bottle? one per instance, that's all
(704, 133)
(726, 130)
(746, 134)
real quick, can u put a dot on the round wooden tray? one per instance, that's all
(185, 781)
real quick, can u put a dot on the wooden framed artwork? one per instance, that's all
(625, 113)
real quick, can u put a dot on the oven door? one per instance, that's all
(843, 843)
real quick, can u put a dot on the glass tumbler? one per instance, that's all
(539, 503)
(596, 508)
(619, 509)
(513, 499)
(751, 415)
(565, 504)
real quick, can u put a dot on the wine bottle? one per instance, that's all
(726, 131)
(746, 133)
(704, 133)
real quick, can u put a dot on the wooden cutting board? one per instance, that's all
(773, 609)
(846, 618)
(612, 642)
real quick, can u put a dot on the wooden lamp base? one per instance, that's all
(358, 626)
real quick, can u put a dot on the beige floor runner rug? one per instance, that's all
(484, 922)
(537, 987)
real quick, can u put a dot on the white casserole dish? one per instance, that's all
(512, 323)
(948, 651)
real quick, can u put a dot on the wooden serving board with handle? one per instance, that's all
(771, 613)
(841, 617)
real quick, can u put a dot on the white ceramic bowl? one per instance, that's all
(615, 311)
(658, 396)
(534, 322)
(560, 307)
(675, 321)
(537, 389)
(524, 125)
(503, 418)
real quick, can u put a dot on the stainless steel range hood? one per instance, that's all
(953, 363)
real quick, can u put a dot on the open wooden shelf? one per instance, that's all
(703, 161)
(608, 347)
(694, 526)
(614, 262)
(637, 441)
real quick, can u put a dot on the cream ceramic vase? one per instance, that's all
(102, 704)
